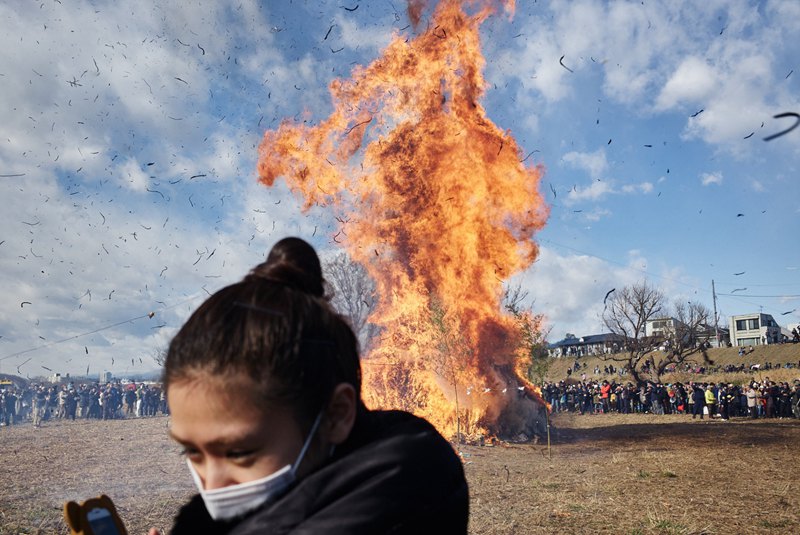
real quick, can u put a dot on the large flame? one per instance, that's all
(438, 207)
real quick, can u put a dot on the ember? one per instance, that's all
(437, 203)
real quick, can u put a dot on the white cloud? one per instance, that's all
(569, 290)
(594, 163)
(664, 57)
(711, 178)
(353, 35)
(95, 119)
(133, 177)
(643, 187)
(691, 83)
(595, 191)
(597, 214)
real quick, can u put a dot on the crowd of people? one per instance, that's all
(38, 403)
(756, 399)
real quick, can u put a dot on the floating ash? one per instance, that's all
(434, 200)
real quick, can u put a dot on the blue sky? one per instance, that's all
(129, 140)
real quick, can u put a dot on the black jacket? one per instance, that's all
(395, 474)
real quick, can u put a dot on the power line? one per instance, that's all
(763, 296)
(649, 274)
(99, 329)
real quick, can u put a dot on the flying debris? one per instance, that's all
(789, 312)
(151, 314)
(739, 290)
(740, 273)
(22, 305)
(87, 349)
(23, 364)
(155, 191)
(561, 61)
(612, 290)
(695, 114)
(780, 116)
(740, 215)
(748, 136)
(529, 155)
(46, 368)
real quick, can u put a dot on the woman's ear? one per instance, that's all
(341, 413)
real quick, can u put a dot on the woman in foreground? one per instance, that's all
(263, 383)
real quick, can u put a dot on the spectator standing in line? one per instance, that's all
(10, 406)
(771, 393)
(724, 402)
(39, 406)
(699, 401)
(655, 400)
(752, 399)
(605, 391)
(711, 401)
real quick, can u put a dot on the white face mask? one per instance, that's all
(234, 500)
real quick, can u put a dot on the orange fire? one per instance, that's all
(438, 207)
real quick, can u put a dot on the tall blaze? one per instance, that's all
(434, 201)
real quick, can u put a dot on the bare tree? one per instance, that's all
(626, 314)
(532, 340)
(686, 333)
(159, 355)
(514, 298)
(353, 295)
(451, 353)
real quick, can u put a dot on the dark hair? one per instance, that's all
(293, 262)
(275, 327)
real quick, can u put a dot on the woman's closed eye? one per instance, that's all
(190, 453)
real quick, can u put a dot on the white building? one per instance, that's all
(663, 327)
(754, 329)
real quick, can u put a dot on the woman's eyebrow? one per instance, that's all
(221, 442)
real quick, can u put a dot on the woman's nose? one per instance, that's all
(216, 476)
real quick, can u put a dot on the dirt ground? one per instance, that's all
(606, 473)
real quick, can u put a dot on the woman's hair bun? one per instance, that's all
(292, 262)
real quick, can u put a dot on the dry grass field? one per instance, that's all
(607, 474)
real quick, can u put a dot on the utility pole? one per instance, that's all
(716, 319)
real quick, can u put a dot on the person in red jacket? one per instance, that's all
(605, 390)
